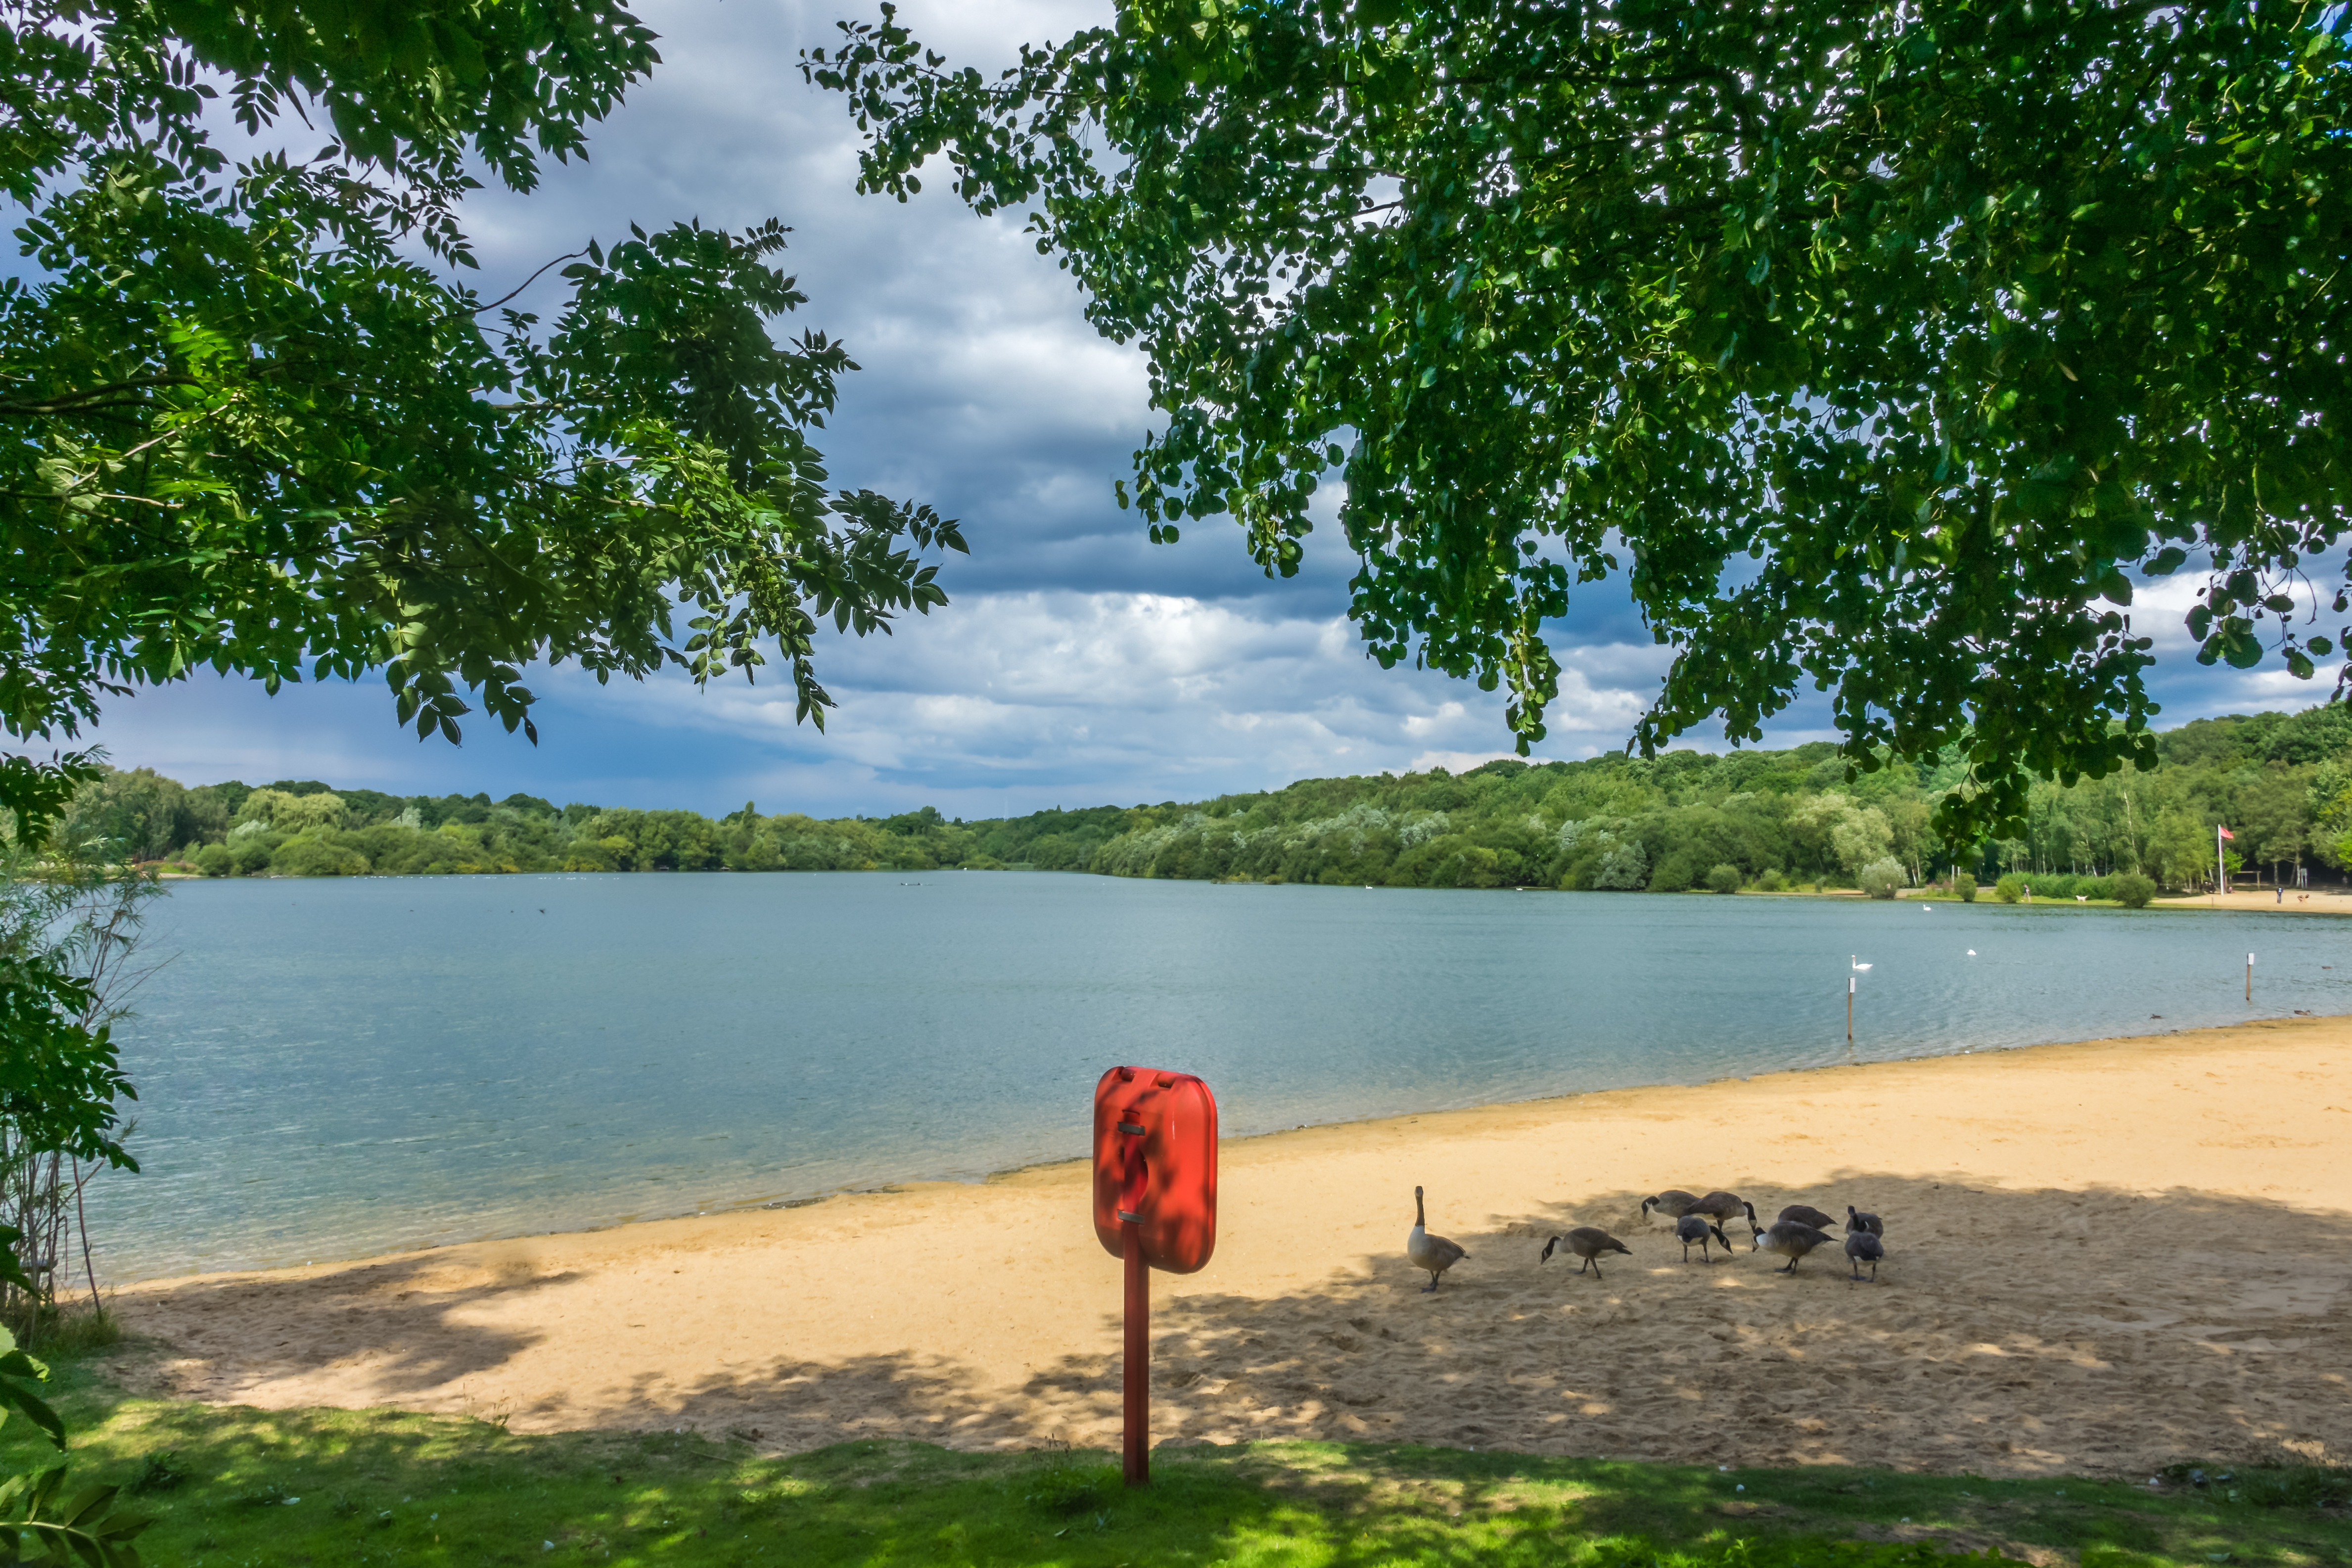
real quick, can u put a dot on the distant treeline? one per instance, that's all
(2281, 782)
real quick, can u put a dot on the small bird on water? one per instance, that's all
(1588, 1242)
(1432, 1253)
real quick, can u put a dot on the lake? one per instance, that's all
(333, 1069)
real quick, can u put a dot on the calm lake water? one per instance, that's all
(334, 1069)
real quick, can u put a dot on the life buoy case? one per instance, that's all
(1156, 1160)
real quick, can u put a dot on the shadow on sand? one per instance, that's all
(2011, 1333)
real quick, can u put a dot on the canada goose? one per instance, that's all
(1721, 1206)
(1669, 1205)
(1697, 1228)
(1857, 1220)
(1805, 1215)
(1434, 1253)
(1790, 1239)
(1864, 1247)
(1588, 1242)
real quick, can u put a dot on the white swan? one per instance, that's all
(1858, 967)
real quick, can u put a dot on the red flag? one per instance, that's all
(2225, 833)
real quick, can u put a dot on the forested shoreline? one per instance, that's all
(1769, 820)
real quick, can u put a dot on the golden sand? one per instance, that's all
(2100, 1257)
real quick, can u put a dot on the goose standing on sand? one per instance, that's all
(1669, 1205)
(1790, 1239)
(1588, 1242)
(1856, 1220)
(1431, 1253)
(1864, 1247)
(1804, 1213)
(1720, 1206)
(1697, 1227)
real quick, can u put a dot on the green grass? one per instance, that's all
(240, 1487)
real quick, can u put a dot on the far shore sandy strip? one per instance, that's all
(2102, 1257)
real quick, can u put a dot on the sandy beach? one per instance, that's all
(2266, 900)
(2101, 1257)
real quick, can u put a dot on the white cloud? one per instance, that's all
(1013, 700)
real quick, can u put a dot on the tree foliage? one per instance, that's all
(248, 419)
(1877, 346)
(66, 932)
(1667, 823)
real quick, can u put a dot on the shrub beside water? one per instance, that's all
(2010, 889)
(2057, 887)
(1882, 877)
(2134, 890)
(1723, 880)
(1965, 886)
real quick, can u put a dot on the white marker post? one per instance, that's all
(2250, 977)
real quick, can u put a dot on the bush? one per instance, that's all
(1772, 881)
(1675, 873)
(2134, 890)
(1882, 877)
(249, 855)
(1723, 880)
(214, 860)
(2009, 889)
(1964, 885)
(1624, 867)
(317, 857)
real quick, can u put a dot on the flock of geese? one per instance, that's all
(1799, 1231)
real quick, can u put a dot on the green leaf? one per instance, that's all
(19, 1372)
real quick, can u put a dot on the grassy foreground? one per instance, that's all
(243, 1487)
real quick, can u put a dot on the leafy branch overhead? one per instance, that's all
(246, 429)
(1879, 349)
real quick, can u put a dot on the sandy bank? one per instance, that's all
(2101, 1256)
(2266, 900)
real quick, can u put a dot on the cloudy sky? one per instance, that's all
(1078, 664)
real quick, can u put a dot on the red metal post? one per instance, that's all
(1155, 1207)
(1136, 1371)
